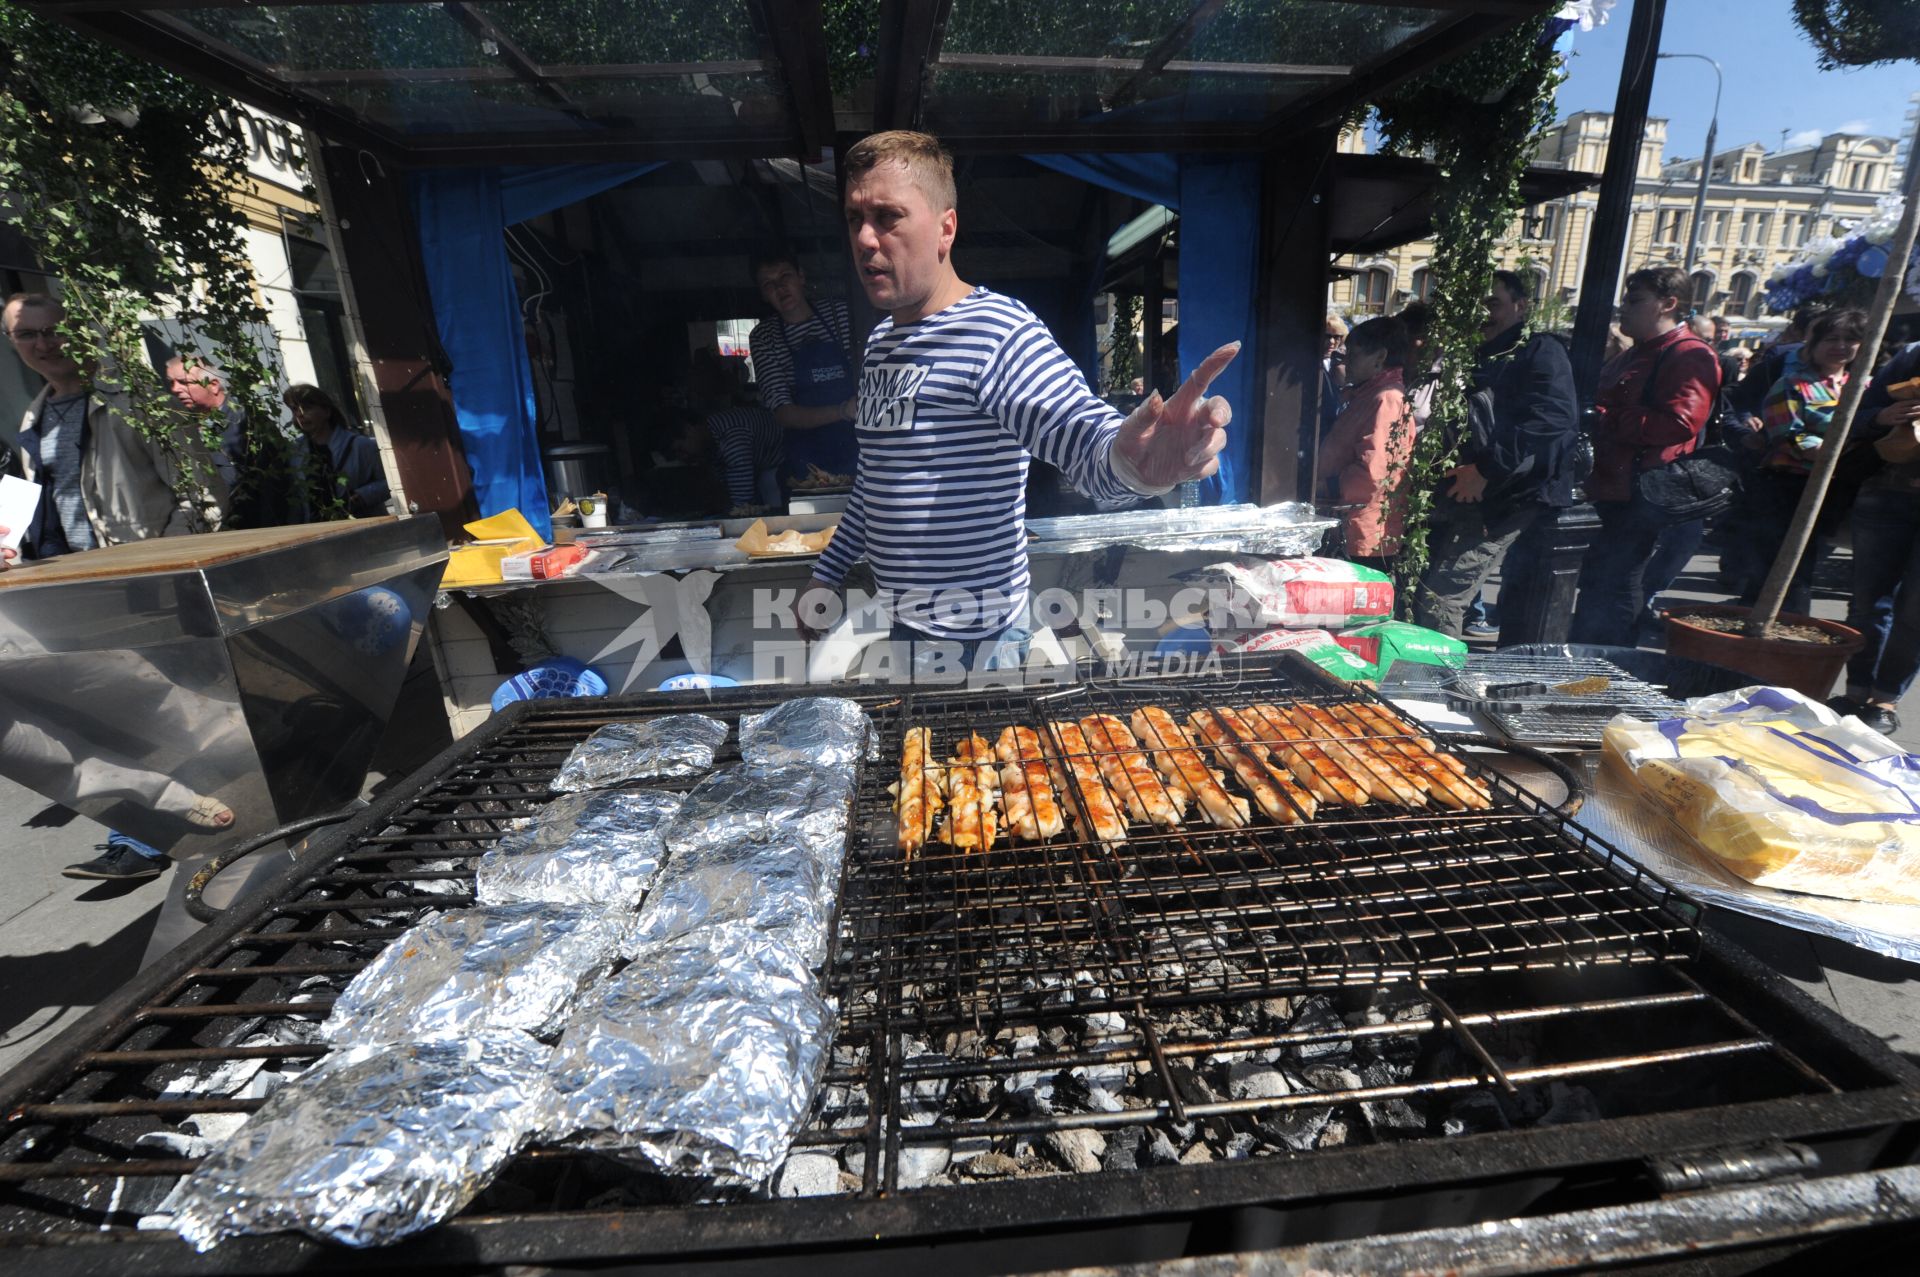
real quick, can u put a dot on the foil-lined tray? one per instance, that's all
(516, 966)
(373, 1144)
(597, 848)
(1288, 529)
(701, 1057)
(671, 747)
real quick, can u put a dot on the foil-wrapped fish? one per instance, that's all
(585, 849)
(783, 887)
(671, 747)
(699, 1058)
(758, 803)
(827, 731)
(373, 1144)
(471, 970)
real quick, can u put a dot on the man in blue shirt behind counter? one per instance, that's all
(960, 387)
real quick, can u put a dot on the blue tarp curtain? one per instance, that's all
(1218, 199)
(463, 215)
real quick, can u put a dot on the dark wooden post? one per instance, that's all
(1290, 307)
(1613, 210)
(367, 206)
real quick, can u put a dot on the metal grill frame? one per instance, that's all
(1873, 1116)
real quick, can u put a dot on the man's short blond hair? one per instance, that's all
(921, 154)
(32, 299)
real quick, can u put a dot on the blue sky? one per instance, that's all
(1773, 78)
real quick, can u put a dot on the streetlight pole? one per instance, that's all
(1706, 164)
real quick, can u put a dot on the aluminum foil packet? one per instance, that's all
(757, 803)
(827, 731)
(701, 1058)
(782, 887)
(670, 747)
(473, 970)
(584, 849)
(373, 1144)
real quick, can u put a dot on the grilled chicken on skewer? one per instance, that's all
(1271, 787)
(1173, 753)
(1448, 787)
(1074, 756)
(971, 821)
(1377, 773)
(1278, 741)
(917, 794)
(1149, 799)
(1025, 788)
(1391, 724)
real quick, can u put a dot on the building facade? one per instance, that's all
(1762, 208)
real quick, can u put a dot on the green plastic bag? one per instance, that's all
(1317, 646)
(1384, 642)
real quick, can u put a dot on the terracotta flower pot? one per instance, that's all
(1809, 668)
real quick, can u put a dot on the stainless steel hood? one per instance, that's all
(144, 685)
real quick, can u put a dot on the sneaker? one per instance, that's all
(1881, 718)
(1482, 629)
(118, 862)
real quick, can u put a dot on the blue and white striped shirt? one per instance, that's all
(749, 440)
(951, 410)
(772, 341)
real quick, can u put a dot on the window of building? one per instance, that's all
(1542, 221)
(1422, 284)
(1741, 298)
(1667, 228)
(1536, 282)
(1370, 288)
(1702, 288)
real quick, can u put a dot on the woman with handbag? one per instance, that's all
(1794, 418)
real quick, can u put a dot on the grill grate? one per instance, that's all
(1548, 720)
(1504, 950)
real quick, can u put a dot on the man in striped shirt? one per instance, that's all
(803, 364)
(959, 389)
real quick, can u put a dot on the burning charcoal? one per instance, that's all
(175, 1143)
(1056, 1037)
(1474, 1114)
(926, 1097)
(1394, 1004)
(1335, 1135)
(961, 1044)
(807, 1175)
(989, 1166)
(1241, 1146)
(1316, 1015)
(922, 1164)
(1251, 1080)
(1278, 1012)
(973, 1096)
(1125, 1147)
(1102, 1024)
(1196, 1155)
(1570, 1103)
(850, 1183)
(1298, 1129)
(1327, 1077)
(1077, 1150)
(1031, 1092)
(1389, 1119)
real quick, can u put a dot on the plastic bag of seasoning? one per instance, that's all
(1295, 594)
(1383, 643)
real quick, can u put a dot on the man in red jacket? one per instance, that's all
(1654, 403)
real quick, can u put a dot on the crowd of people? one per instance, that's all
(1692, 439)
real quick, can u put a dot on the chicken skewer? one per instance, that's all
(1278, 741)
(917, 793)
(1392, 724)
(1073, 757)
(1385, 782)
(1149, 799)
(1271, 787)
(1025, 789)
(1449, 787)
(972, 820)
(1173, 753)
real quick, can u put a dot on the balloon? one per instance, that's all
(1872, 262)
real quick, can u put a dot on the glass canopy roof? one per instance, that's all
(466, 81)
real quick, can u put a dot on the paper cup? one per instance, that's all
(593, 512)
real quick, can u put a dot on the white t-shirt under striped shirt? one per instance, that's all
(951, 410)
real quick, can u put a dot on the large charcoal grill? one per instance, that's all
(1496, 954)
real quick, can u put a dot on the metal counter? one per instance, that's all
(251, 669)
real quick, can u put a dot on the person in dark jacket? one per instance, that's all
(1654, 403)
(1513, 470)
(1886, 548)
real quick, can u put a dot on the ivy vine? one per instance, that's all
(120, 176)
(1478, 118)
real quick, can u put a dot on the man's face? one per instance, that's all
(899, 242)
(783, 286)
(1504, 310)
(30, 327)
(1720, 330)
(195, 389)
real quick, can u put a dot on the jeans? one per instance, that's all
(117, 839)
(1886, 559)
(1467, 552)
(1674, 550)
(942, 660)
(1613, 574)
(1775, 498)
